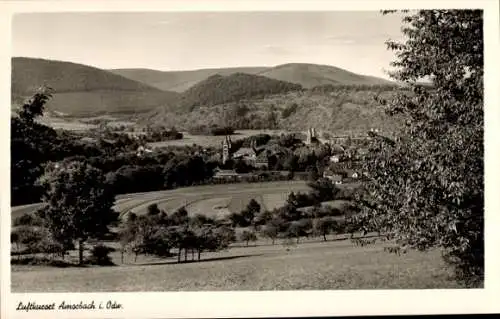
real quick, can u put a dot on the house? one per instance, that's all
(252, 156)
(226, 174)
(312, 137)
(334, 177)
(261, 160)
(335, 158)
(245, 153)
(352, 173)
(141, 150)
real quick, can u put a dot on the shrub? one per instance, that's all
(100, 256)
(248, 236)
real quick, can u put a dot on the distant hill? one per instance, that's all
(218, 89)
(179, 81)
(82, 90)
(307, 75)
(311, 75)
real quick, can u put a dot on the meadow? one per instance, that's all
(206, 199)
(212, 140)
(310, 265)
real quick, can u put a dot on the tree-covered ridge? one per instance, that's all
(219, 89)
(343, 110)
(28, 74)
(81, 90)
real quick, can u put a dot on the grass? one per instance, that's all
(315, 265)
(171, 200)
(210, 140)
(213, 200)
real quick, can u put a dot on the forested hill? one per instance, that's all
(219, 89)
(311, 75)
(180, 81)
(84, 90)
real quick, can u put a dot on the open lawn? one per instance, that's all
(210, 140)
(206, 199)
(213, 200)
(312, 265)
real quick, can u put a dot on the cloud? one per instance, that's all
(276, 50)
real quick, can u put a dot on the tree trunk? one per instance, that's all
(298, 238)
(324, 237)
(179, 255)
(247, 243)
(135, 259)
(122, 255)
(192, 254)
(80, 251)
(199, 254)
(273, 240)
(185, 254)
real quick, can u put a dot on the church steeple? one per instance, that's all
(226, 149)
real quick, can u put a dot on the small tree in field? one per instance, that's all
(324, 226)
(425, 187)
(270, 231)
(79, 202)
(248, 236)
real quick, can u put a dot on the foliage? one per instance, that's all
(270, 231)
(286, 112)
(426, 186)
(100, 256)
(248, 236)
(247, 216)
(219, 89)
(158, 234)
(299, 228)
(324, 226)
(79, 202)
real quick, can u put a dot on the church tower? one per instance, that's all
(226, 149)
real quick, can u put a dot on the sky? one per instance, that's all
(353, 40)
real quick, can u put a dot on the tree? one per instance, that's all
(270, 231)
(298, 228)
(34, 107)
(425, 186)
(324, 226)
(323, 190)
(153, 209)
(79, 202)
(248, 236)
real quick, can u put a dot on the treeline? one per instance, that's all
(34, 145)
(212, 130)
(157, 233)
(328, 88)
(291, 221)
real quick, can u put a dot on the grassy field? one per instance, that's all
(214, 200)
(210, 140)
(311, 265)
(207, 199)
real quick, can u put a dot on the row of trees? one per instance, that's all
(157, 233)
(292, 220)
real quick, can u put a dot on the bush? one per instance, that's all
(248, 236)
(27, 220)
(289, 110)
(100, 256)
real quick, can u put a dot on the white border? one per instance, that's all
(268, 304)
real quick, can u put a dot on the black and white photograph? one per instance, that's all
(212, 151)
